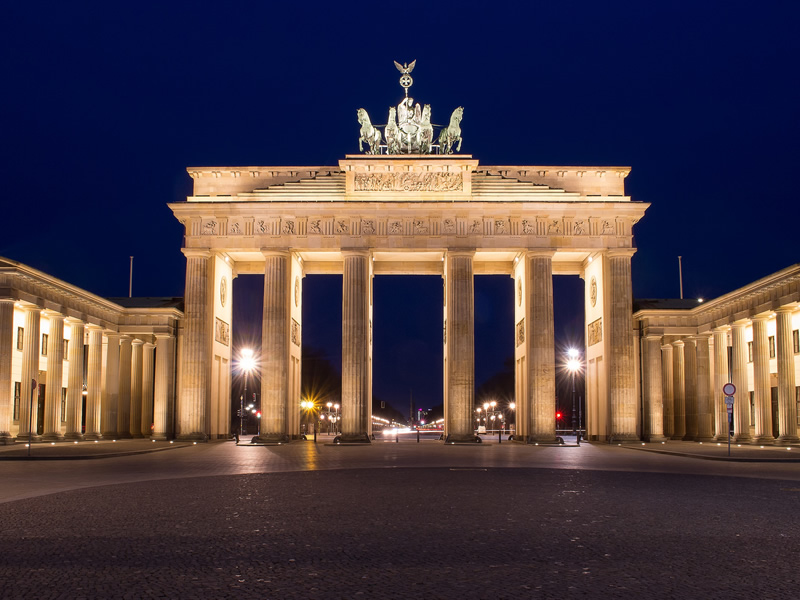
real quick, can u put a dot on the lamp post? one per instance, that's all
(573, 365)
(246, 364)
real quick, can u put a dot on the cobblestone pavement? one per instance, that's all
(463, 532)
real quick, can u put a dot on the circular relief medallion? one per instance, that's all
(593, 291)
(519, 292)
(297, 291)
(223, 290)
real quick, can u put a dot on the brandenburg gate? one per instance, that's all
(401, 208)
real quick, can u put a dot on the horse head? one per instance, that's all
(362, 116)
(426, 114)
(458, 114)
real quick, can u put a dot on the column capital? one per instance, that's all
(163, 336)
(93, 327)
(540, 253)
(267, 252)
(31, 308)
(620, 252)
(137, 342)
(362, 252)
(678, 343)
(666, 347)
(740, 323)
(721, 329)
(466, 252)
(786, 309)
(653, 336)
(196, 252)
(149, 345)
(761, 317)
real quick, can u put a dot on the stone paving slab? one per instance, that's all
(409, 533)
(84, 450)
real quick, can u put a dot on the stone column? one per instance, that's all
(6, 391)
(787, 406)
(355, 347)
(621, 371)
(135, 426)
(652, 382)
(720, 379)
(690, 387)
(164, 394)
(94, 384)
(75, 381)
(275, 348)
(705, 432)
(541, 347)
(196, 362)
(741, 406)
(460, 323)
(761, 387)
(108, 419)
(668, 389)
(29, 419)
(124, 406)
(55, 370)
(679, 390)
(148, 373)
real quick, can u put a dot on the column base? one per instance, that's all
(23, 437)
(354, 438)
(52, 437)
(137, 436)
(6, 439)
(124, 436)
(74, 436)
(741, 438)
(784, 439)
(462, 438)
(655, 438)
(542, 439)
(721, 439)
(271, 438)
(160, 437)
(192, 437)
(109, 435)
(707, 440)
(92, 437)
(677, 438)
(623, 438)
(767, 440)
(689, 438)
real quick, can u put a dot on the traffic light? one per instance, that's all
(558, 415)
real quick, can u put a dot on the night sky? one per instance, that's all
(104, 105)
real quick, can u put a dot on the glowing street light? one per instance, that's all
(573, 366)
(246, 364)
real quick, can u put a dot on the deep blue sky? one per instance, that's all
(104, 105)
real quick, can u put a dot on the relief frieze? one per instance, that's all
(521, 332)
(595, 333)
(222, 332)
(408, 182)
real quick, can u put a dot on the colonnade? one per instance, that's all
(127, 381)
(683, 377)
(536, 394)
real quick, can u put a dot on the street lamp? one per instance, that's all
(573, 366)
(246, 364)
(337, 426)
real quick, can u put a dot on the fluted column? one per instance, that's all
(195, 362)
(355, 347)
(741, 405)
(668, 390)
(94, 384)
(690, 387)
(55, 369)
(108, 419)
(653, 399)
(6, 392)
(75, 381)
(275, 348)
(705, 432)
(125, 387)
(679, 390)
(135, 420)
(164, 394)
(720, 379)
(460, 358)
(761, 386)
(541, 348)
(28, 419)
(620, 344)
(148, 372)
(787, 406)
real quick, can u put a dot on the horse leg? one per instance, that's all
(459, 144)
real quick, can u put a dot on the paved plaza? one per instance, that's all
(136, 519)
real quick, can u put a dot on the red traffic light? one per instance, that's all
(558, 415)
(258, 414)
